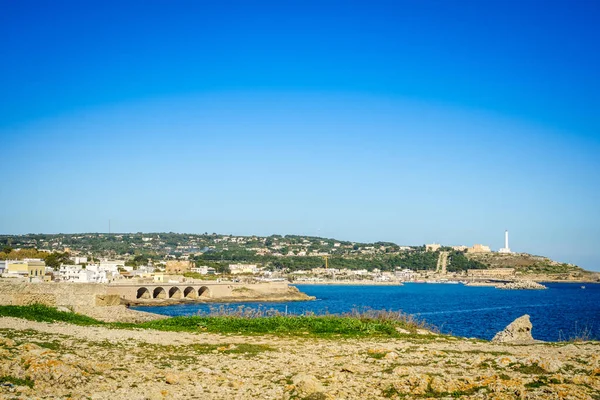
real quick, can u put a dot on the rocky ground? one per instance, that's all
(57, 360)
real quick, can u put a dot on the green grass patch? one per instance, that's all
(392, 392)
(538, 382)
(365, 324)
(456, 394)
(17, 381)
(322, 326)
(49, 345)
(533, 369)
(41, 313)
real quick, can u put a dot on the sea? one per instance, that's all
(565, 311)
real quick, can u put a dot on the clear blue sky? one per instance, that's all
(404, 121)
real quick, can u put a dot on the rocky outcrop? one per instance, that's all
(306, 384)
(518, 331)
(521, 285)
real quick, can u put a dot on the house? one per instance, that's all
(178, 267)
(406, 274)
(31, 269)
(243, 268)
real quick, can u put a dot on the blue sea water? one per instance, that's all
(562, 312)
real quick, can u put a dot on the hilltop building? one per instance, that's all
(479, 248)
(432, 247)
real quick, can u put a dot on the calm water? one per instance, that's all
(562, 311)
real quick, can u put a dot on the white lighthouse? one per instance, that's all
(505, 249)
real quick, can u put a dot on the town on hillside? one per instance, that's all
(105, 258)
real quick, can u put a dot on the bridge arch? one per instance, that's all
(143, 293)
(174, 293)
(204, 292)
(190, 293)
(159, 293)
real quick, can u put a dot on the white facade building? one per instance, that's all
(90, 274)
(406, 274)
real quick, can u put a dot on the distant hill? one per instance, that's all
(527, 264)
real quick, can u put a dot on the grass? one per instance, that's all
(41, 313)
(392, 392)
(533, 369)
(247, 322)
(580, 334)
(541, 381)
(17, 381)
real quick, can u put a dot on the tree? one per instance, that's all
(55, 260)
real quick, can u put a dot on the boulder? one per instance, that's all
(518, 331)
(307, 384)
(171, 379)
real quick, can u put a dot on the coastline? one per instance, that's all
(58, 359)
(348, 283)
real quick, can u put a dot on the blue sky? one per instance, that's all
(405, 121)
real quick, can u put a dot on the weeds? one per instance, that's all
(533, 369)
(578, 335)
(17, 381)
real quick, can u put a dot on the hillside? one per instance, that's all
(531, 265)
(276, 252)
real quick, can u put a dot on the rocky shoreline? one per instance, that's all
(521, 285)
(58, 360)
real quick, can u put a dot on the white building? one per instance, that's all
(406, 274)
(69, 273)
(112, 265)
(76, 273)
(243, 268)
(79, 260)
(505, 249)
(202, 269)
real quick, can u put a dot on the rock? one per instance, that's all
(521, 285)
(307, 384)
(414, 383)
(64, 309)
(392, 355)
(348, 368)
(518, 331)
(171, 379)
(548, 364)
(205, 370)
(446, 384)
(7, 342)
(505, 361)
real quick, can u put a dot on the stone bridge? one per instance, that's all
(174, 291)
